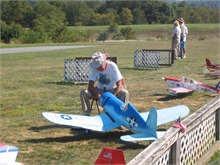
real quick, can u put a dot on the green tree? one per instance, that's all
(166, 13)
(139, 16)
(126, 17)
(79, 12)
(96, 19)
(102, 19)
(19, 12)
(111, 16)
(61, 4)
(185, 11)
(52, 23)
(149, 10)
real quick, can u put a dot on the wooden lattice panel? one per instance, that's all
(191, 147)
(166, 56)
(164, 159)
(146, 59)
(76, 70)
(198, 141)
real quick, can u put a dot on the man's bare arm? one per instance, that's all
(94, 90)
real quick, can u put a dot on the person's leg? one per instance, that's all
(85, 96)
(123, 95)
(173, 48)
(181, 48)
(184, 50)
(176, 48)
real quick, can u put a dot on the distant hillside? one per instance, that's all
(198, 3)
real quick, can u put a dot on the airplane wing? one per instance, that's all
(179, 90)
(141, 137)
(100, 122)
(215, 73)
(168, 114)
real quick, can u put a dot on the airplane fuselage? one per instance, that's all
(124, 113)
(189, 84)
(186, 83)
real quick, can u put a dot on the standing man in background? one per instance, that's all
(176, 32)
(184, 33)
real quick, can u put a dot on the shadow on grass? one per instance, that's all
(211, 77)
(133, 145)
(69, 83)
(38, 129)
(168, 97)
(138, 69)
(81, 135)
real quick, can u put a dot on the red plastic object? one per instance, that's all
(111, 156)
(179, 124)
(2, 144)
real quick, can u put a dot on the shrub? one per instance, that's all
(117, 36)
(102, 36)
(31, 37)
(113, 28)
(127, 33)
(10, 31)
(76, 36)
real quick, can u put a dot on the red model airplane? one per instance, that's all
(188, 85)
(211, 67)
(212, 70)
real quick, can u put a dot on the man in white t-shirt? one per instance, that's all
(176, 39)
(104, 77)
(184, 33)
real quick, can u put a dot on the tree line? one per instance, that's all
(39, 21)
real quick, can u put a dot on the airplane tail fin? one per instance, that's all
(152, 120)
(208, 62)
(150, 134)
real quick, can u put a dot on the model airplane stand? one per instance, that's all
(111, 156)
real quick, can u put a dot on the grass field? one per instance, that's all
(32, 83)
(146, 32)
(151, 27)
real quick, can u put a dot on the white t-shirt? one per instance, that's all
(108, 77)
(176, 32)
(184, 31)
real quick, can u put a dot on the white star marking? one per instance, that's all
(66, 117)
(132, 122)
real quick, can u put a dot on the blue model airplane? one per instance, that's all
(116, 113)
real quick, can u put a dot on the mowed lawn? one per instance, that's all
(32, 83)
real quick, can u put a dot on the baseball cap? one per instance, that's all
(97, 60)
(181, 20)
